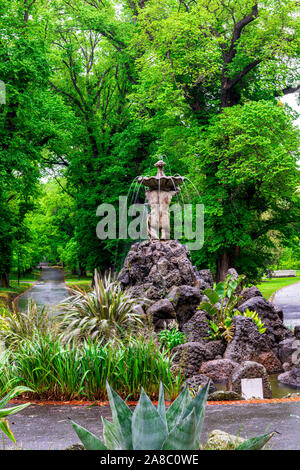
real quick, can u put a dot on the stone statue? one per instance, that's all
(159, 195)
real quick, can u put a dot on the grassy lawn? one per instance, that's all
(7, 295)
(269, 286)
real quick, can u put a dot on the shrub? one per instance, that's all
(171, 338)
(106, 311)
(16, 326)
(221, 306)
(65, 372)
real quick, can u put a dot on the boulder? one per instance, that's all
(221, 440)
(218, 369)
(269, 360)
(196, 328)
(207, 277)
(271, 317)
(162, 264)
(249, 370)
(197, 381)
(287, 348)
(161, 312)
(249, 293)
(189, 356)
(246, 342)
(156, 270)
(185, 300)
(291, 377)
(297, 332)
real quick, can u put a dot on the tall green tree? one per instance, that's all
(209, 75)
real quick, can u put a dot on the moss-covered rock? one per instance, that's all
(221, 440)
(222, 395)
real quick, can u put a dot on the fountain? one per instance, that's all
(160, 268)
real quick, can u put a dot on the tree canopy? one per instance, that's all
(96, 89)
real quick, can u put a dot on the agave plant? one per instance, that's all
(4, 412)
(103, 312)
(17, 325)
(149, 428)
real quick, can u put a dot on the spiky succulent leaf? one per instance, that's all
(198, 403)
(89, 440)
(110, 435)
(149, 432)
(122, 418)
(183, 436)
(161, 408)
(256, 443)
(175, 411)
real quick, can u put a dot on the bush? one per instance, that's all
(106, 312)
(65, 372)
(16, 326)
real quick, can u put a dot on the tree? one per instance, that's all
(203, 67)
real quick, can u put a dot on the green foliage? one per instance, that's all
(93, 97)
(254, 316)
(4, 412)
(222, 308)
(19, 325)
(171, 338)
(224, 295)
(65, 372)
(150, 428)
(104, 312)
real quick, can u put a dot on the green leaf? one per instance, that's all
(12, 410)
(177, 408)
(89, 440)
(199, 404)
(209, 308)
(212, 295)
(161, 408)
(148, 429)
(256, 443)
(220, 289)
(122, 418)
(110, 435)
(4, 426)
(12, 393)
(183, 436)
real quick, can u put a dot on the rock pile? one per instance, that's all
(161, 273)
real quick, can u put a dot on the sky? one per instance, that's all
(293, 101)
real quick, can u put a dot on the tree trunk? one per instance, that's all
(222, 267)
(4, 280)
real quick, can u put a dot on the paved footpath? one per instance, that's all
(49, 290)
(288, 299)
(47, 427)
